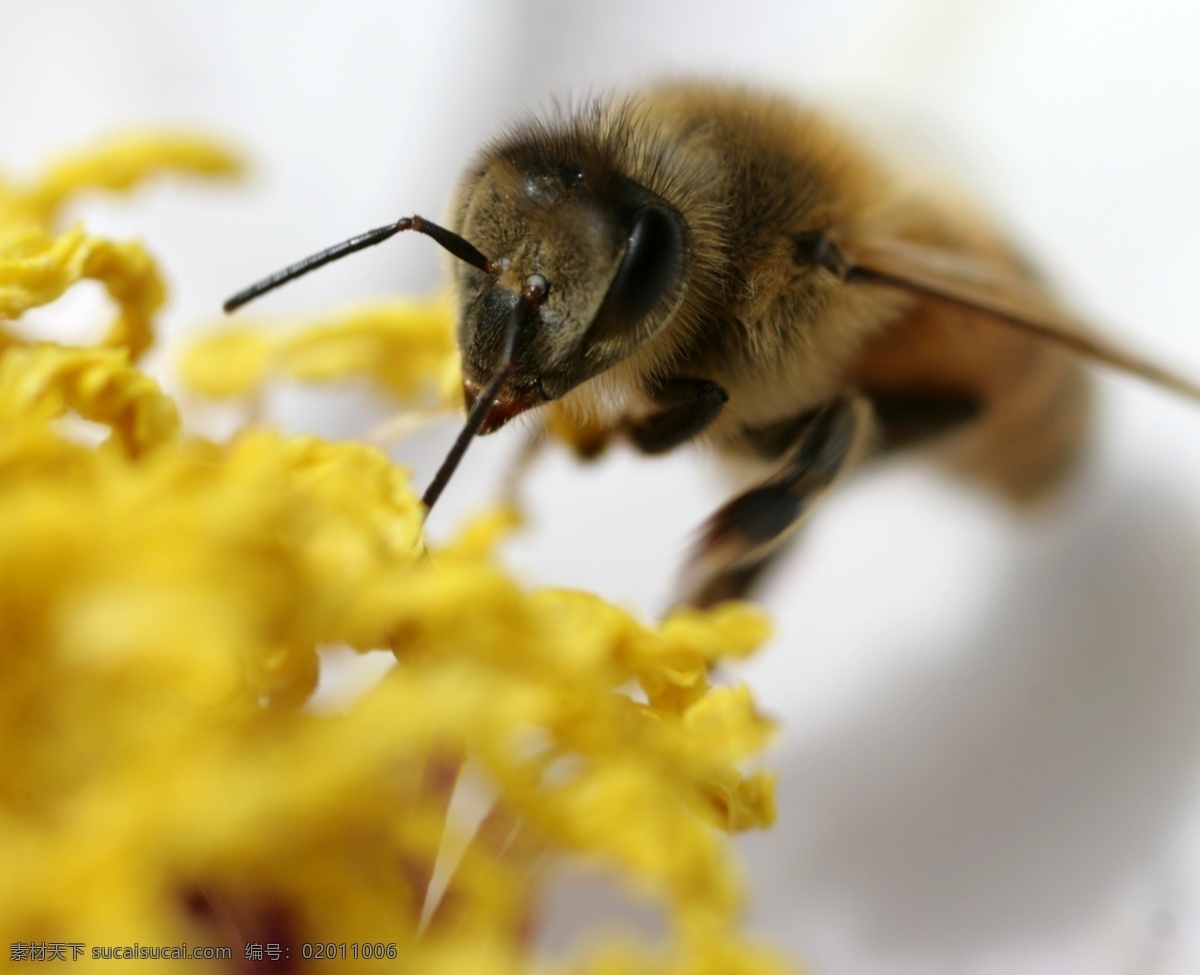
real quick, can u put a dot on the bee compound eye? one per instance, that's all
(650, 271)
(651, 264)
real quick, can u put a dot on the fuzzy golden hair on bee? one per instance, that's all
(704, 261)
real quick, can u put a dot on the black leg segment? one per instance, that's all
(742, 537)
(686, 408)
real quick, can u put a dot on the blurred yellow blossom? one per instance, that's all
(405, 346)
(38, 263)
(165, 600)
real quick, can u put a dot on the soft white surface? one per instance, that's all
(991, 737)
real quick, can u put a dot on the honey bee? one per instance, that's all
(705, 261)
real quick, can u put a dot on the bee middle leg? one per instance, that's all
(738, 543)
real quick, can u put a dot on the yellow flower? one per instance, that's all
(166, 599)
(38, 264)
(407, 347)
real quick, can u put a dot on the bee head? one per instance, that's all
(565, 267)
(613, 257)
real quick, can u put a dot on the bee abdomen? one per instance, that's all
(1037, 434)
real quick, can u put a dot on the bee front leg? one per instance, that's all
(737, 543)
(682, 409)
(685, 408)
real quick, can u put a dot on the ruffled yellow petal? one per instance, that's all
(406, 347)
(100, 385)
(37, 268)
(38, 264)
(228, 363)
(120, 164)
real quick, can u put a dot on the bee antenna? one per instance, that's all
(532, 295)
(446, 238)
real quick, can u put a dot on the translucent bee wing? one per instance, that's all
(993, 291)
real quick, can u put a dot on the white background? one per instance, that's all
(991, 735)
